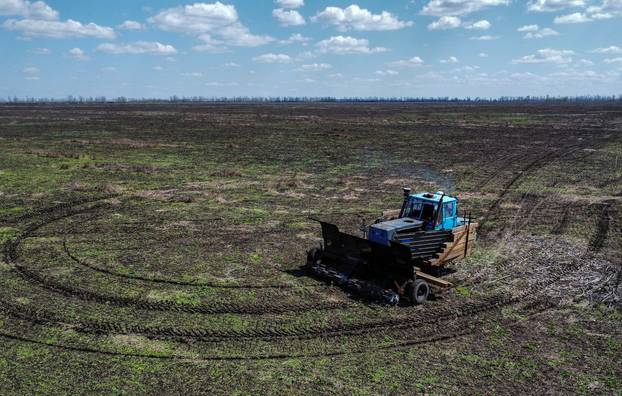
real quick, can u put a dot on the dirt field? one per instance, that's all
(152, 248)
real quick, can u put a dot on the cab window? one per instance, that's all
(448, 210)
(414, 209)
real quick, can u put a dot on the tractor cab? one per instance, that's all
(425, 207)
(420, 212)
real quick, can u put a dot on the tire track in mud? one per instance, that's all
(436, 316)
(90, 296)
(451, 331)
(410, 321)
(597, 241)
(11, 258)
(216, 285)
(506, 162)
(219, 307)
(30, 230)
(509, 159)
(85, 263)
(563, 219)
(538, 162)
(440, 317)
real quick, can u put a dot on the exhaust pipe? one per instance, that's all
(406, 197)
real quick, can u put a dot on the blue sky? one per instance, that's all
(484, 48)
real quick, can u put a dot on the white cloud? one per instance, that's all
(528, 28)
(216, 24)
(158, 68)
(534, 32)
(296, 38)
(341, 45)
(109, 69)
(483, 55)
(58, 29)
(42, 51)
(479, 25)
(138, 47)
(306, 55)
(547, 55)
(31, 73)
(77, 54)
(576, 17)
(231, 65)
(608, 9)
(466, 68)
(453, 22)
(357, 18)
(608, 50)
(273, 58)
(585, 62)
(27, 9)
(131, 25)
(451, 59)
(315, 67)
(290, 3)
(192, 74)
(412, 62)
(613, 60)
(222, 84)
(288, 17)
(385, 73)
(445, 23)
(40, 20)
(545, 32)
(553, 5)
(486, 37)
(459, 7)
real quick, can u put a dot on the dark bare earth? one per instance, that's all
(155, 248)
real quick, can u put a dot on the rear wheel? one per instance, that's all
(314, 256)
(419, 291)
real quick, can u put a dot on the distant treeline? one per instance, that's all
(327, 99)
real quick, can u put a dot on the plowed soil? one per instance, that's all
(159, 248)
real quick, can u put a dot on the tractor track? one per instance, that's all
(409, 322)
(11, 258)
(452, 332)
(59, 207)
(302, 288)
(440, 317)
(219, 307)
(506, 163)
(537, 163)
(428, 316)
(597, 242)
(166, 306)
(10, 250)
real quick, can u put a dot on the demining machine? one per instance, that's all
(402, 255)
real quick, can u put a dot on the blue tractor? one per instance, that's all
(401, 254)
